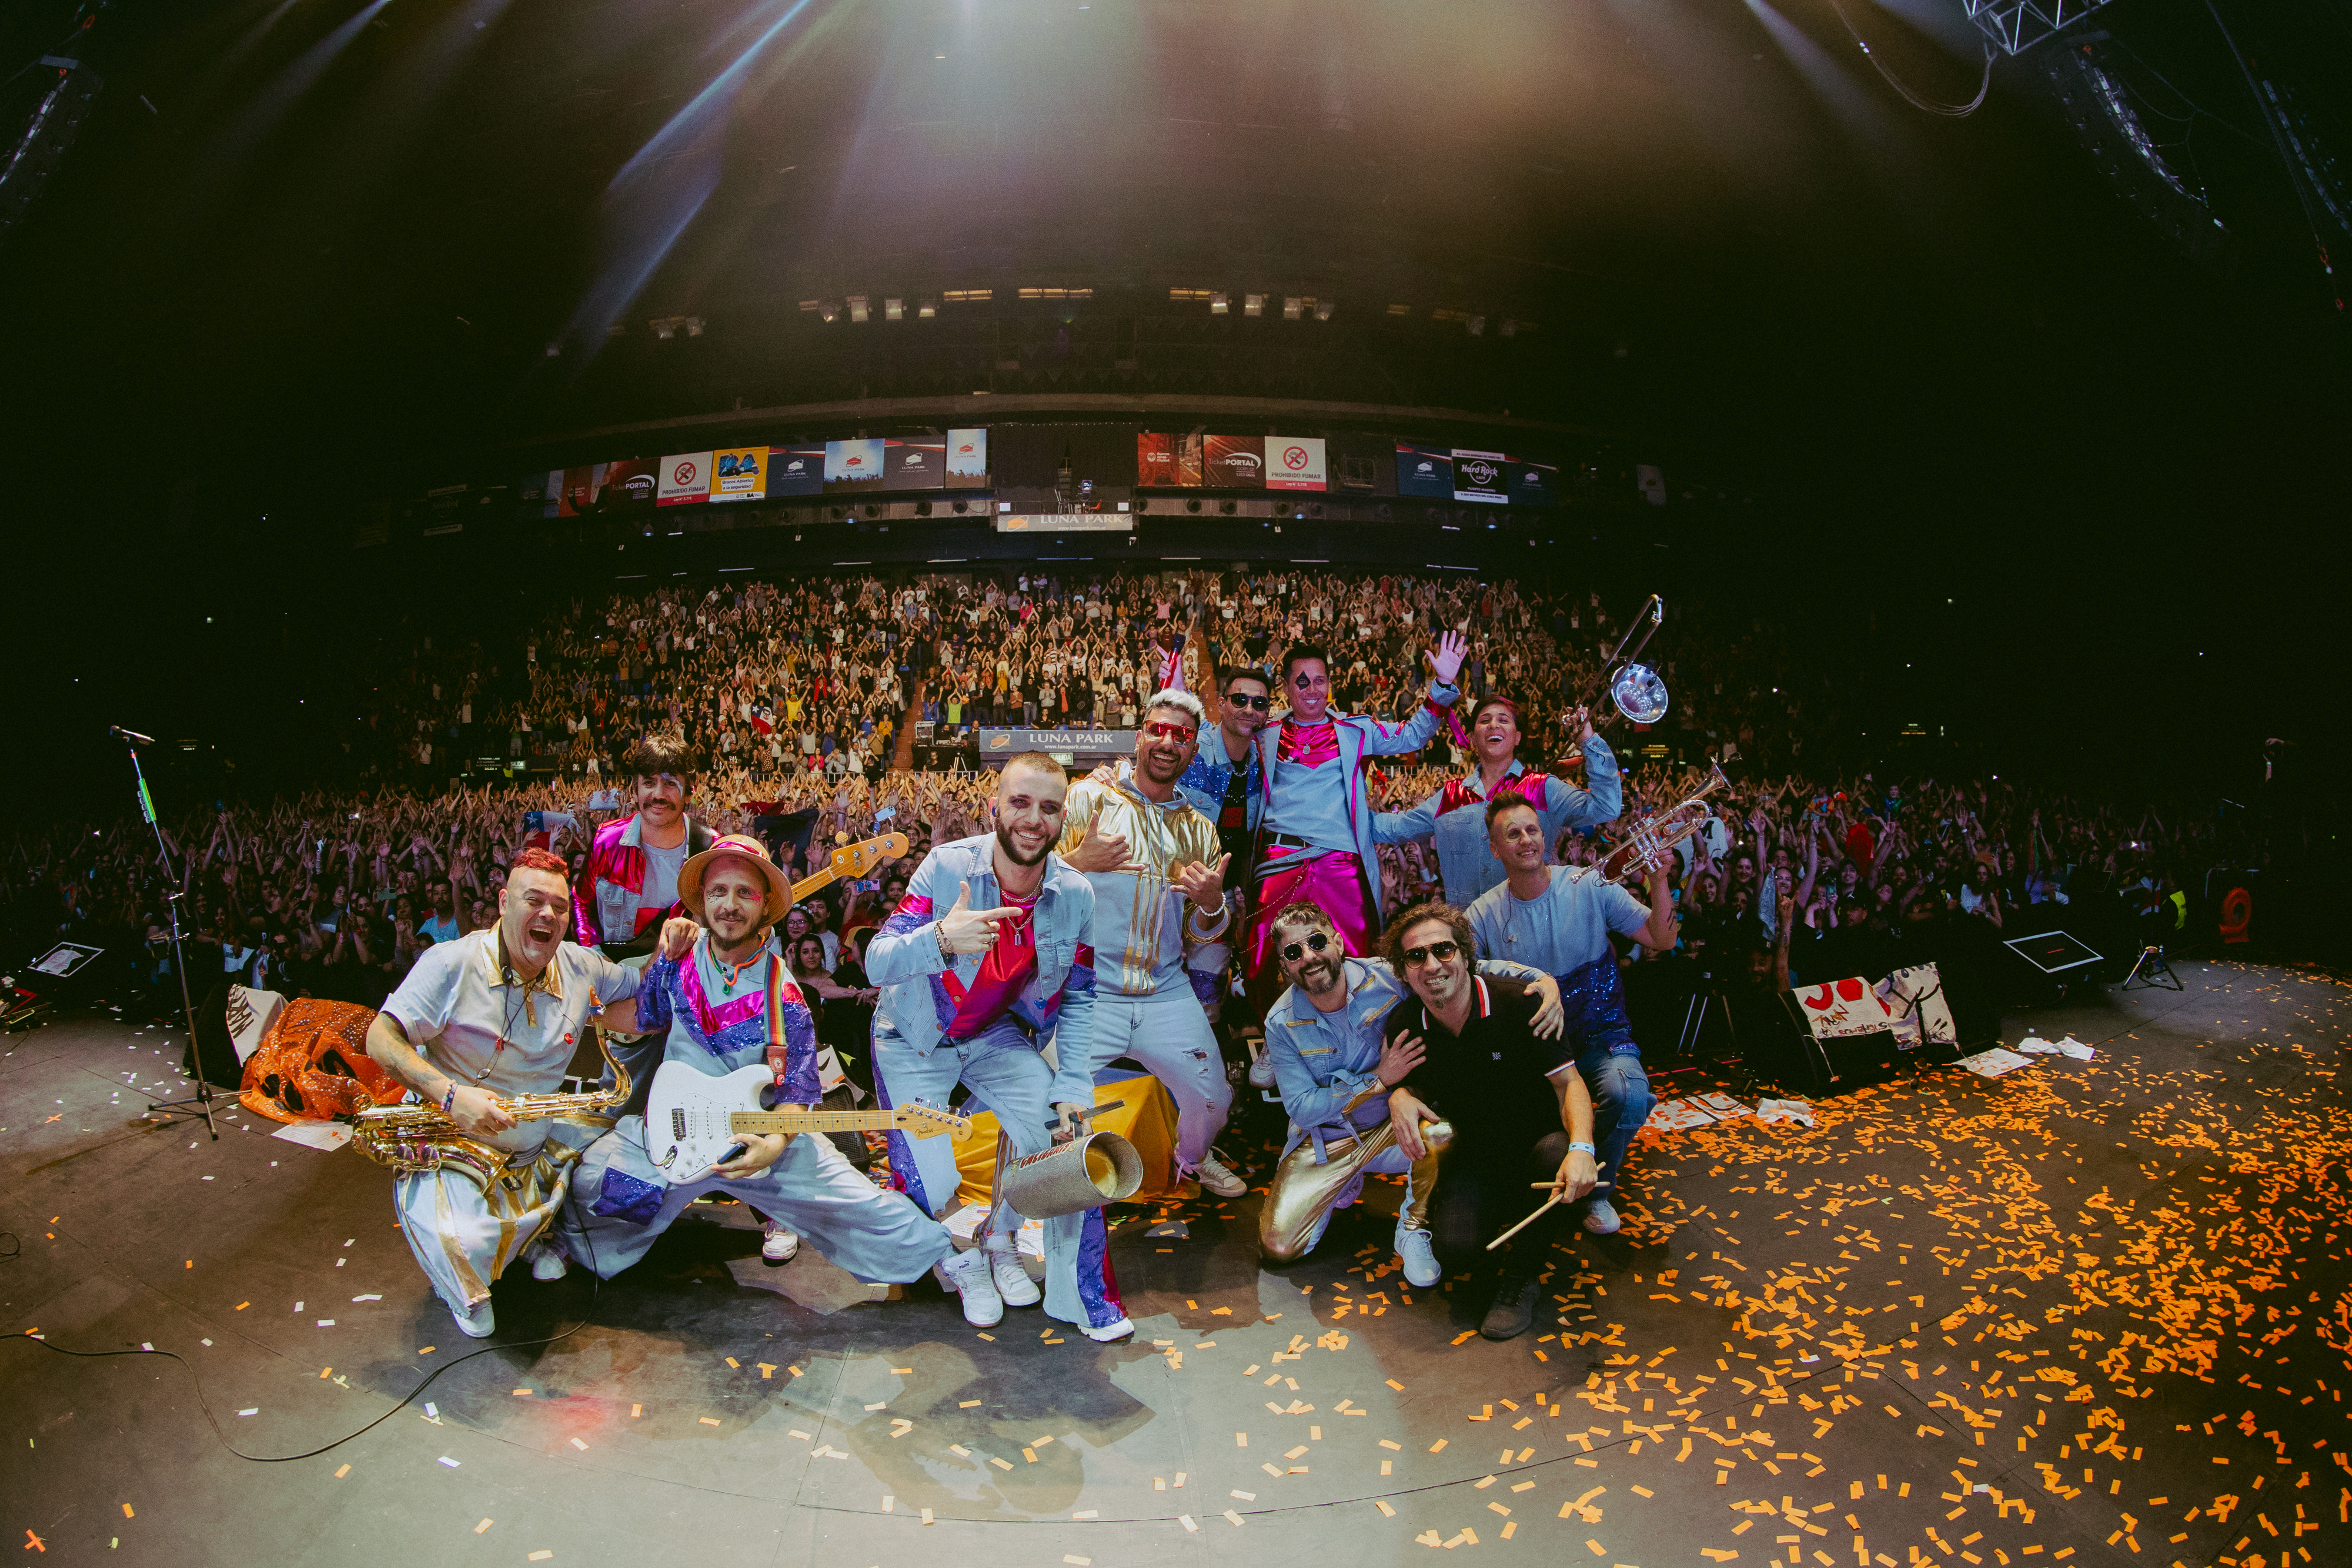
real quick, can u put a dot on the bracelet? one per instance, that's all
(939, 930)
(449, 1097)
(1580, 1148)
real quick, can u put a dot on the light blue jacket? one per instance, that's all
(1322, 1060)
(920, 990)
(1361, 736)
(1454, 818)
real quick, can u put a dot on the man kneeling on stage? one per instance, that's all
(494, 1014)
(727, 1000)
(1559, 918)
(1324, 1036)
(1513, 1104)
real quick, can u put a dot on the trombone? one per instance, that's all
(1635, 687)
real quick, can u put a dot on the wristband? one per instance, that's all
(1580, 1148)
(449, 1097)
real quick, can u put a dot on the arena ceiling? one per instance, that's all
(366, 235)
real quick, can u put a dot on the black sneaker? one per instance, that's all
(1514, 1310)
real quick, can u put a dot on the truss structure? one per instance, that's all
(2016, 26)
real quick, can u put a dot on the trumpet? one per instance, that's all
(417, 1137)
(1650, 840)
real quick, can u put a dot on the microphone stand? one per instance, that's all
(200, 1103)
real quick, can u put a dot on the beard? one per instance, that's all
(1320, 972)
(1004, 842)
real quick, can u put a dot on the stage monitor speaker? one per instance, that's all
(1780, 1048)
(212, 1049)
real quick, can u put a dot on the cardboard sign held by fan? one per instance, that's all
(1908, 1004)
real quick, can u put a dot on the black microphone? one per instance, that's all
(132, 735)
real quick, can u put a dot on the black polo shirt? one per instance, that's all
(1491, 1081)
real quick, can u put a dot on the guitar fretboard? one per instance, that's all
(836, 1122)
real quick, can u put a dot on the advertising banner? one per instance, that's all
(1155, 460)
(1294, 463)
(796, 470)
(575, 493)
(739, 474)
(1534, 484)
(624, 485)
(1065, 522)
(1234, 462)
(852, 466)
(914, 464)
(685, 479)
(540, 491)
(1066, 746)
(1481, 476)
(967, 459)
(1425, 471)
(1168, 462)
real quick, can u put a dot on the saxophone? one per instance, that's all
(413, 1137)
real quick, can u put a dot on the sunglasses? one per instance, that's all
(1316, 943)
(1441, 952)
(1159, 730)
(1259, 703)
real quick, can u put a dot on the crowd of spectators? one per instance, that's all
(825, 673)
(799, 695)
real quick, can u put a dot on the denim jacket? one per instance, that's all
(1455, 818)
(1204, 780)
(921, 987)
(1361, 736)
(1321, 1061)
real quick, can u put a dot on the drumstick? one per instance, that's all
(1523, 1224)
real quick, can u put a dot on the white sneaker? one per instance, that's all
(550, 1263)
(1109, 1331)
(1261, 1072)
(1213, 1176)
(1601, 1219)
(478, 1324)
(1012, 1281)
(966, 1273)
(779, 1245)
(1420, 1261)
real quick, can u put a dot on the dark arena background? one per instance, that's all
(414, 405)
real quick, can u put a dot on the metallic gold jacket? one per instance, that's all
(1143, 922)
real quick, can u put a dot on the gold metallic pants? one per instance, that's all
(1303, 1191)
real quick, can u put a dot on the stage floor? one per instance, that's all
(2085, 1311)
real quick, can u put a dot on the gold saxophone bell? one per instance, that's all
(411, 1138)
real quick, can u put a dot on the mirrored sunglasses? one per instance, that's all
(1316, 943)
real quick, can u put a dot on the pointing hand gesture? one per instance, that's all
(963, 929)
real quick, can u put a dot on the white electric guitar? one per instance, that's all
(696, 1120)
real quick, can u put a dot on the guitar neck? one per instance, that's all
(809, 885)
(811, 1122)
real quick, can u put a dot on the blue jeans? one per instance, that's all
(1008, 1076)
(1608, 1061)
(1621, 1103)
